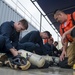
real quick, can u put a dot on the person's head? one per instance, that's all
(60, 16)
(45, 35)
(50, 41)
(55, 43)
(21, 25)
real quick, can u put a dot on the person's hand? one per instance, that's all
(62, 55)
(14, 52)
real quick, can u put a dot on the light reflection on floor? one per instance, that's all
(48, 71)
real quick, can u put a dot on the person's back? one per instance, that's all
(33, 36)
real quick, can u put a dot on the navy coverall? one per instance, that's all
(9, 37)
(50, 50)
(32, 42)
(47, 49)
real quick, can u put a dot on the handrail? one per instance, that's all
(36, 23)
(45, 18)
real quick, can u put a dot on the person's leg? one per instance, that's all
(2, 42)
(38, 50)
(47, 50)
(29, 46)
(3, 48)
(73, 43)
(3, 56)
(73, 33)
(70, 57)
(71, 54)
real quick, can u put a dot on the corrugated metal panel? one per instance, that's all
(8, 14)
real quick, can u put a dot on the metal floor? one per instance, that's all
(48, 71)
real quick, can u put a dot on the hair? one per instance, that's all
(48, 33)
(57, 12)
(56, 42)
(24, 23)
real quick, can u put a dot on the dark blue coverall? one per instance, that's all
(9, 37)
(32, 42)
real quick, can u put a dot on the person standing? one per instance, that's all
(67, 31)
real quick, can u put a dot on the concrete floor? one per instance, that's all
(49, 71)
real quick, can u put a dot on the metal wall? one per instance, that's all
(7, 14)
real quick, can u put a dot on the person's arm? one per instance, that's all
(15, 43)
(40, 43)
(69, 31)
(6, 31)
(65, 34)
(14, 51)
(63, 54)
(15, 39)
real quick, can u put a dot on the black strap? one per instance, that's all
(73, 21)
